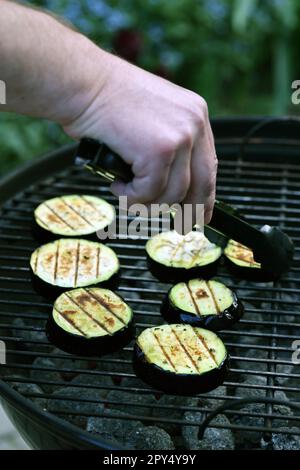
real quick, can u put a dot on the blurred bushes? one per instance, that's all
(239, 54)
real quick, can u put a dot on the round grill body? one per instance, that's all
(260, 175)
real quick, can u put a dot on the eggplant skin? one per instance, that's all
(225, 319)
(250, 274)
(43, 236)
(240, 262)
(170, 274)
(97, 346)
(51, 292)
(178, 384)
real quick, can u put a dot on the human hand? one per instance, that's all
(160, 129)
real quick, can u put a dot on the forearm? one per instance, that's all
(50, 70)
(159, 128)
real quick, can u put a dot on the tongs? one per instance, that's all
(271, 247)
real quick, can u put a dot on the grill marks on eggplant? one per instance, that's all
(187, 352)
(81, 216)
(74, 215)
(55, 262)
(69, 320)
(83, 311)
(180, 359)
(168, 358)
(203, 296)
(174, 257)
(208, 304)
(56, 218)
(173, 249)
(210, 287)
(241, 255)
(179, 348)
(197, 309)
(74, 263)
(210, 350)
(91, 312)
(77, 263)
(105, 304)
(241, 263)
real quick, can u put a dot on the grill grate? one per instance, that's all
(260, 345)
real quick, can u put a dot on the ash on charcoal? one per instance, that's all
(68, 361)
(243, 336)
(178, 406)
(212, 399)
(57, 372)
(247, 439)
(120, 397)
(131, 295)
(112, 428)
(285, 369)
(283, 410)
(150, 438)
(133, 382)
(255, 317)
(283, 441)
(245, 289)
(57, 405)
(213, 439)
(117, 363)
(96, 380)
(251, 365)
(29, 388)
(52, 375)
(37, 333)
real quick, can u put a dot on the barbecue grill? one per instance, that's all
(61, 401)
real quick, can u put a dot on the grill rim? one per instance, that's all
(18, 181)
(55, 425)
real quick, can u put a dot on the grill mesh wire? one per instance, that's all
(260, 345)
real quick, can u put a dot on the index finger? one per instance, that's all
(203, 175)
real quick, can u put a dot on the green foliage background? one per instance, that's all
(241, 55)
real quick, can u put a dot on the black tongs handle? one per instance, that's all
(101, 160)
(227, 220)
(271, 247)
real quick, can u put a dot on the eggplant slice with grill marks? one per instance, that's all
(70, 263)
(72, 216)
(207, 304)
(90, 321)
(175, 257)
(180, 359)
(241, 262)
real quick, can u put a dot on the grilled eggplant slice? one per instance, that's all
(72, 216)
(70, 263)
(207, 304)
(241, 262)
(175, 257)
(90, 321)
(180, 359)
